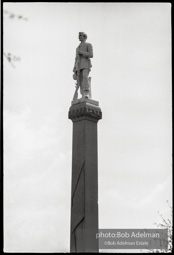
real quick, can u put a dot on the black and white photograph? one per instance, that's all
(87, 127)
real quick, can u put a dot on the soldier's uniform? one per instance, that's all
(83, 65)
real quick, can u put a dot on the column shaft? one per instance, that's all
(84, 189)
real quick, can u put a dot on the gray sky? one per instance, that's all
(131, 79)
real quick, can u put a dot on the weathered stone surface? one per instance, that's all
(85, 109)
(87, 100)
(84, 189)
(82, 67)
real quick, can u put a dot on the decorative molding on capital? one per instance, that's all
(84, 111)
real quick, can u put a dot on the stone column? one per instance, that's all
(84, 114)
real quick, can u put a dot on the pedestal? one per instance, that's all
(84, 114)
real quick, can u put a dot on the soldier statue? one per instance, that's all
(82, 67)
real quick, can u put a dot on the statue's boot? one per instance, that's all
(87, 88)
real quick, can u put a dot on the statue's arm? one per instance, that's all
(76, 59)
(89, 53)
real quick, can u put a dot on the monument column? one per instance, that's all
(84, 114)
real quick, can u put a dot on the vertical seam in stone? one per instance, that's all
(85, 173)
(75, 232)
(77, 181)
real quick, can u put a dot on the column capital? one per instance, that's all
(85, 109)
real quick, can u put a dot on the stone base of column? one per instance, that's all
(87, 100)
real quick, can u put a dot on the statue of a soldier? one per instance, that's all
(82, 66)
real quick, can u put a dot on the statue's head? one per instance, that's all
(82, 36)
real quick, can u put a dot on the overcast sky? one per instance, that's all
(131, 79)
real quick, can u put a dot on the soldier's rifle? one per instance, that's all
(75, 97)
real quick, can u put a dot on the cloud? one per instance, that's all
(36, 174)
(153, 195)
